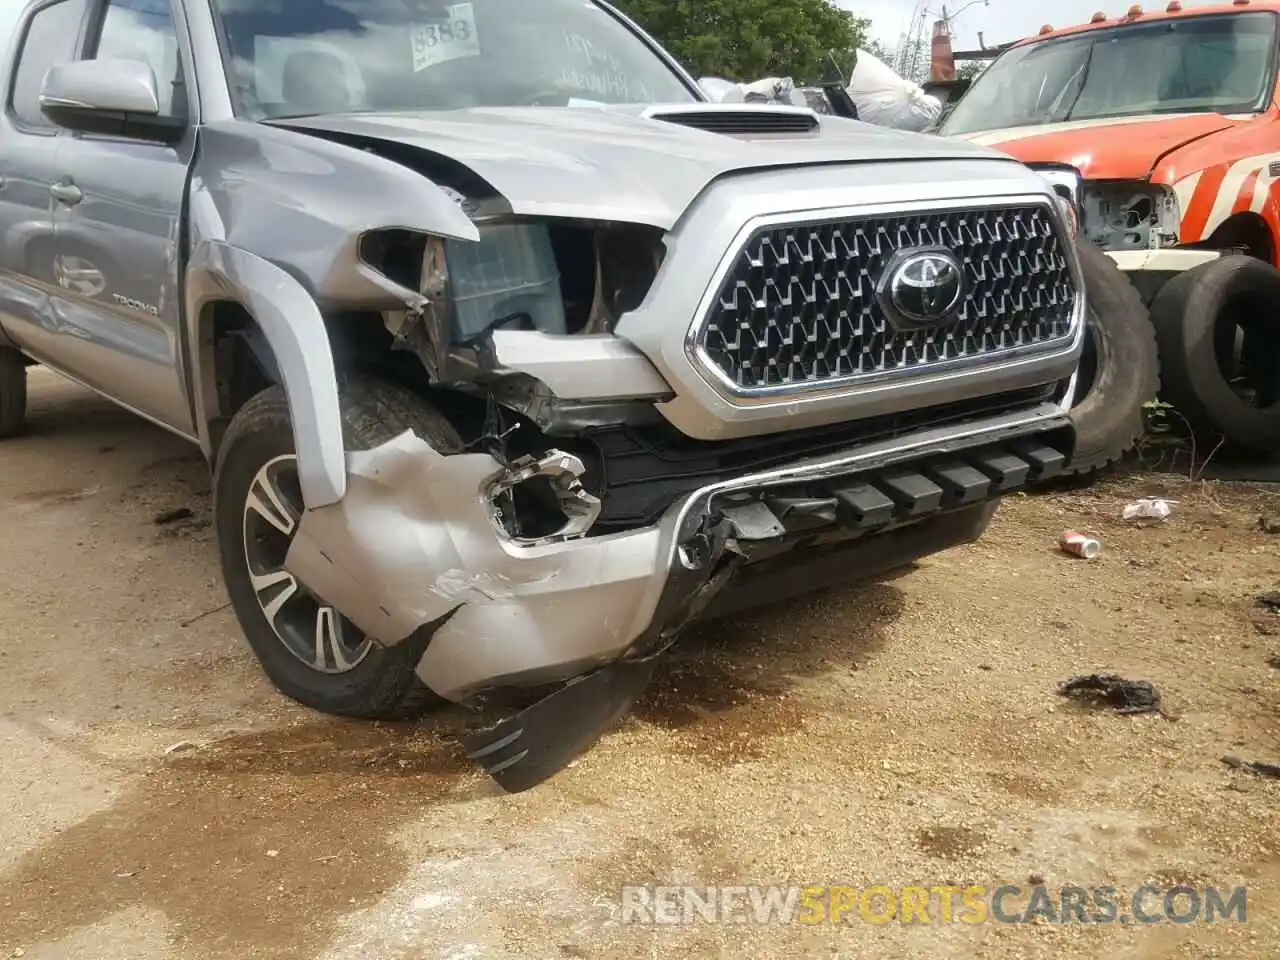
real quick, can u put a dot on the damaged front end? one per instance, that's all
(582, 527)
(422, 542)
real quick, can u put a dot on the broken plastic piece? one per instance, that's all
(1271, 770)
(800, 512)
(1270, 600)
(754, 521)
(524, 750)
(1126, 697)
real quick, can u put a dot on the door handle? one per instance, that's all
(67, 193)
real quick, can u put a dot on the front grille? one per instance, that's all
(799, 307)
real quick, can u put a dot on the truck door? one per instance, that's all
(40, 38)
(118, 230)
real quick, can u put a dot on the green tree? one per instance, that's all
(745, 40)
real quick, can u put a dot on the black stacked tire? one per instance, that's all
(383, 686)
(1199, 316)
(1120, 373)
(13, 391)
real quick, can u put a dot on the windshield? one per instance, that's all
(1221, 64)
(289, 58)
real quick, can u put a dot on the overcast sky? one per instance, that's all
(1000, 20)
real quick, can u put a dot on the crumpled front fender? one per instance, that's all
(414, 542)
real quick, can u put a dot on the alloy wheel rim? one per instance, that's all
(311, 630)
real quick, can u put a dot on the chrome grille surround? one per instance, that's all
(846, 339)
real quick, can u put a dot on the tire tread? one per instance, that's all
(1184, 314)
(1112, 426)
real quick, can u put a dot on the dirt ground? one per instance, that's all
(903, 732)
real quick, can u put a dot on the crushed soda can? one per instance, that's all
(1079, 545)
(1149, 509)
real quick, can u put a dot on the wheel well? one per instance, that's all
(234, 369)
(1244, 231)
(237, 363)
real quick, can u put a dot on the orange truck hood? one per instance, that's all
(1114, 149)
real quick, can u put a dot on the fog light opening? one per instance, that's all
(541, 500)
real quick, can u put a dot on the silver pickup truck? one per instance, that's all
(511, 353)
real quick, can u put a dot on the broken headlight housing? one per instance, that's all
(1066, 183)
(1070, 216)
(1121, 215)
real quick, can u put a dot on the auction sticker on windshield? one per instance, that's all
(448, 39)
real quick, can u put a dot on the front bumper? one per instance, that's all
(1150, 270)
(413, 551)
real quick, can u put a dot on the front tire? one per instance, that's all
(1120, 372)
(308, 650)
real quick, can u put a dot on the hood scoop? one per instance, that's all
(740, 120)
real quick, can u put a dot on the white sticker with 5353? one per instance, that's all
(445, 40)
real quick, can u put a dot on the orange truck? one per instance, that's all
(1164, 127)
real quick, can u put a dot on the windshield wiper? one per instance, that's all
(1084, 78)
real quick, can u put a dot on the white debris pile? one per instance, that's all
(881, 96)
(888, 100)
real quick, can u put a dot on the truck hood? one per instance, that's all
(615, 163)
(1110, 149)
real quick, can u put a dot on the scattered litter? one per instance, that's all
(1268, 525)
(1271, 770)
(208, 613)
(1079, 545)
(19, 952)
(173, 516)
(1149, 509)
(273, 853)
(179, 747)
(1126, 697)
(1270, 600)
(126, 874)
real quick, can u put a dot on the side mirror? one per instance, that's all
(113, 97)
(721, 91)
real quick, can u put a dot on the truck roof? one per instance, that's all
(1138, 14)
